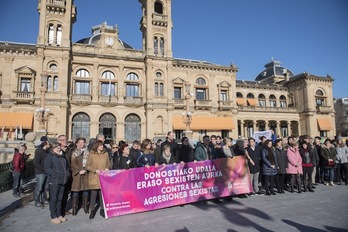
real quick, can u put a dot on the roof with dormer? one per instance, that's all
(273, 69)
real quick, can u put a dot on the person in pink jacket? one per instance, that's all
(294, 166)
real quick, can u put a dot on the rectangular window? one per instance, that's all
(59, 35)
(55, 83)
(156, 89)
(319, 102)
(177, 93)
(155, 46)
(323, 133)
(49, 83)
(225, 133)
(272, 103)
(178, 134)
(161, 89)
(283, 104)
(162, 46)
(132, 90)
(223, 95)
(202, 132)
(201, 94)
(50, 34)
(108, 89)
(262, 103)
(82, 87)
(25, 85)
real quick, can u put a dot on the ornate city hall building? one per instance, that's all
(101, 84)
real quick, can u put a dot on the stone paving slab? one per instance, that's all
(324, 210)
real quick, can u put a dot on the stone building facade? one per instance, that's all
(101, 84)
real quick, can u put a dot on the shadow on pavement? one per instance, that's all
(182, 230)
(335, 229)
(235, 216)
(301, 227)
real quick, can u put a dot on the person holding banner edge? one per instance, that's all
(98, 161)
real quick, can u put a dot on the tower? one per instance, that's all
(56, 19)
(156, 26)
(54, 52)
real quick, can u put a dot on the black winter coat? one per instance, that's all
(257, 160)
(39, 160)
(56, 166)
(282, 160)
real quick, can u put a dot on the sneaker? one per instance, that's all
(252, 194)
(60, 218)
(56, 221)
(260, 193)
(39, 205)
(331, 183)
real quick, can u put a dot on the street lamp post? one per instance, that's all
(42, 113)
(187, 116)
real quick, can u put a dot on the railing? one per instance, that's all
(133, 100)
(81, 97)
(6, 174)
(179, 103)
(159, 17)
(267, 109)
(108, 98)
(55, 3)
(203, 104)
(225, 105)
(24, 95)
(324, 109)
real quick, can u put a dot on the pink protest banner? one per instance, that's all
(144, 189)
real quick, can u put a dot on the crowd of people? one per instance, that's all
(276, 165)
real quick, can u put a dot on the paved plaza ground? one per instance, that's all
(324, 210)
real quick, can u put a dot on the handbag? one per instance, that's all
(330, 163)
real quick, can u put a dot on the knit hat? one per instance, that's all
(43, 138)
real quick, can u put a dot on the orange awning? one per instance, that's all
(324, 124)
(13, 119)
(241, 101)
(252, 102)
(204, 123)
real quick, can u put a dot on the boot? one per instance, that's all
(92, 214)
(85, 204)
(102, 213)
(75, 202)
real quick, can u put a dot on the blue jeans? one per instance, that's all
(17, 182)
(56, 196)
(40, 195)
(330, 172)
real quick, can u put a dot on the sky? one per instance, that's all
(304, 35)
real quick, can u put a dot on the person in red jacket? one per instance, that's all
(18, 169)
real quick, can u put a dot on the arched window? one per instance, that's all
(132, 85)
(108, 75)
(262, 100)
(272, 101)
(162, 46)
(250, 95)
(55, 83)
(53, 67)
(161, 90)
(282, 100)
(156, 89)
(80, 126)
(132, 77)
(107, 126)
(50, 34)
(59, 35)
(159, 125)
(158, 75)
(320, 98)
(82, 86)
(155, 45)
(239, 95)
(158, 7)
(82, 73)
(132, 128)
(107, 85)
(200, 81)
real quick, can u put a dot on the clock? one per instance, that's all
(109, 41)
